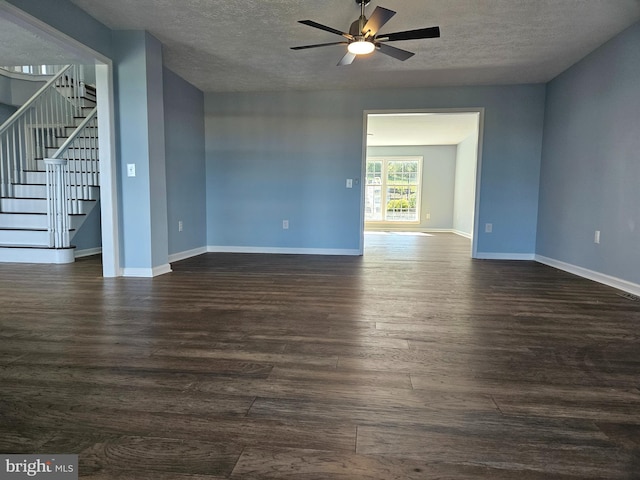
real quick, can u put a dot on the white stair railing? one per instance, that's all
(25, 136)
(72, 171)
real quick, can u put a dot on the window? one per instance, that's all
(393, 189)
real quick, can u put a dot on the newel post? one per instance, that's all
(57, 195)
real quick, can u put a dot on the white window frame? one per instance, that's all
(384, 175)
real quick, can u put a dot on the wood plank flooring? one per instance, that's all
(412, 362)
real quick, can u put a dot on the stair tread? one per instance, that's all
(70, 147)
(43, 198)
(31, 213)
(23, 229)
(36, 247)
(67, 136)
(42, 213)
(28, 229)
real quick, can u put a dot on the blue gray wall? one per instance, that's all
(6, 111)
(89, 236)
(140, 141)
(15, 92)
(6, 107)
(286, 155)
(591, 162)
(438, 183)
(185, 168)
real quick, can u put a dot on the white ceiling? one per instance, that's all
(420, 128)
(229, 45)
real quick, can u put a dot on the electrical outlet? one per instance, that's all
(596, 237)
(488, 227)
(428, 216)
(285, 224)
(180, 226)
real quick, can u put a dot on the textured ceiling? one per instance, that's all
(229, 45)
(19, 46)
(223, 45)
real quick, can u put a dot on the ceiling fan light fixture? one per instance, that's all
(361, 47)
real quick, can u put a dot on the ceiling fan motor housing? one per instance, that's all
(356, 27)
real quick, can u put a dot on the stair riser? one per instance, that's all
(91, 131)
(69, 125)
(74, 165)
(70, 92)
(34, 221)
(35, 178)
(21, 205)
(32, 205)
(40, 178)
(84, 142)
(49, 152)
(40, 191)
(23, 220)
(24, 238)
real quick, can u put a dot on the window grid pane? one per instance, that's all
(402, 189)
(392, 190)
(373, 193)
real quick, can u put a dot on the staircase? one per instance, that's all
(49, 171)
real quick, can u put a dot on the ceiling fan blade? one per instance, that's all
(304, 47)
(378, 18)
(394, 52)
(347, 59)
(430, 32)
(313, 24)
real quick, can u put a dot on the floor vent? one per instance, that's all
(630, 296)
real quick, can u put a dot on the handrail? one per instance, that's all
(67, 143)
(33, 99)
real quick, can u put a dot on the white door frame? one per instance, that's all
(106, 126)
(478, 110)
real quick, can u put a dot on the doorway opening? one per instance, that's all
(421, 171)
(34, 42)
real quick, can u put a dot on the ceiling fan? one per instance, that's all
(363, 37)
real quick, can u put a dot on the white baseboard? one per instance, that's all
(286, 251)
(146, 272)
(462, 234)
(88, 252)
(614, 282)
(504, 256)
(176, 257)
(385, 229)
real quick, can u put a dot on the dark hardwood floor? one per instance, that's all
(412, 362)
